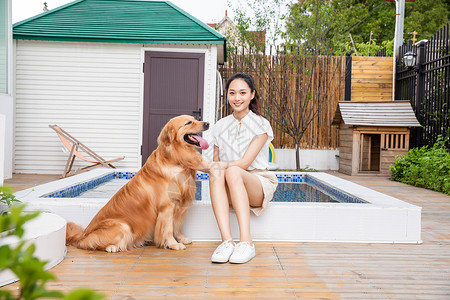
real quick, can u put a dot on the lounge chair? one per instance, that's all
(73, 145)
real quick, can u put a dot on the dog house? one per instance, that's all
(372, 134)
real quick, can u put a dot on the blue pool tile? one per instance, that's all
(77, 189)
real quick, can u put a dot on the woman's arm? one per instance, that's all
(249, 156)
(216, 156)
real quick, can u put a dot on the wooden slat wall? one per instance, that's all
(387, 159)
(371, 78)
(320, 134)
(345, 149)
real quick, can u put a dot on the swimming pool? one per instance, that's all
(364, 216)
(303, 189)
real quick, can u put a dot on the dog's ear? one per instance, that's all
(167, 135)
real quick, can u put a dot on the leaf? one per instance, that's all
(53, 294)
(5, 257)
(6, 295)
(6, 189)
(425, 167)
(84, 294)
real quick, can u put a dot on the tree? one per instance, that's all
(336, 19)
(295, 83)
(339, 18)
(267, 17)
(425, 17)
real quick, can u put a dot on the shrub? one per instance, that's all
(427, 167)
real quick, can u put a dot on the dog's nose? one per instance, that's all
(205, 125)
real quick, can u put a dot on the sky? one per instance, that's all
(207, 11)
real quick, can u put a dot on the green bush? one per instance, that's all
(427, 167)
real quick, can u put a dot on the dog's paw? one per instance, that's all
(177, 246)
(185, 240)
(112, 249)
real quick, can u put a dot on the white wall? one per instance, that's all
(89, 89)
(2, 147)
(92, 90)
(315, 159)
(7, 110)
(6, 102)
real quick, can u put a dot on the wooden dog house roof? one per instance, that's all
(385, 113)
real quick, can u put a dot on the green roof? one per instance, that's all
(118, 21)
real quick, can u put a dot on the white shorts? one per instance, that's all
(269, 184)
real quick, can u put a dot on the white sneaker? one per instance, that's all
(243, 253)
(223, 252)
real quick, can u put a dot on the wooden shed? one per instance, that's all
(372, 134)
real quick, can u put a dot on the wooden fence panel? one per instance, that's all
(372, 78)
(296, 81)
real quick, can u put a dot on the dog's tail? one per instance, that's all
(110, 235)
(74, 233)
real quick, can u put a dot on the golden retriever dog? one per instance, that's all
(152, 205)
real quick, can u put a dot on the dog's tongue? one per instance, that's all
(203, 143)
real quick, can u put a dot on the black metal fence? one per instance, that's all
(427, 86)
(381, 52)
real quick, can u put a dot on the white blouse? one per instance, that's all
(233, 138)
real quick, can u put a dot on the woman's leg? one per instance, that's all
(245, 191)
(219, 201)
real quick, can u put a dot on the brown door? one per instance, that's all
(173, 85)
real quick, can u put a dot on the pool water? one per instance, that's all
(104, 190)
(286, 191)
(300, 192)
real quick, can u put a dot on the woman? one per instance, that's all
(239, 173)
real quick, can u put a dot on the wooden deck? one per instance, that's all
(279, 270)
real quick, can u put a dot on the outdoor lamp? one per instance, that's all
(409, 59)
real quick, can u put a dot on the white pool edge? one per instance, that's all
(384, 219)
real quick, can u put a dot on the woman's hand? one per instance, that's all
(208, 166)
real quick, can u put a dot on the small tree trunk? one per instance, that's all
(297, 157)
